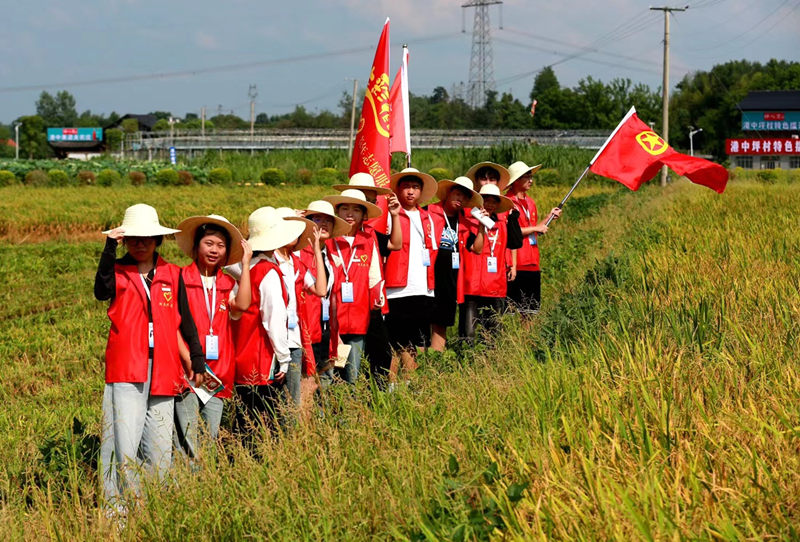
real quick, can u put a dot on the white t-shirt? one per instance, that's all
(417, 283)
(289, 277)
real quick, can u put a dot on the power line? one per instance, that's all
(749, 29)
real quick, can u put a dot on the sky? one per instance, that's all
(181, 55)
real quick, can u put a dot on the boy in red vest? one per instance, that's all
(409, 271)
(484, 173)
(150, 319)
(525, 291)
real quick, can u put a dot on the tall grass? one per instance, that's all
(656, 397)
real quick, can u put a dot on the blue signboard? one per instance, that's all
(173, 155)
(771, 120)
(88, 135)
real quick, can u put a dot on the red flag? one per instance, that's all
(400, 138)
(371, 148)
(634, 154)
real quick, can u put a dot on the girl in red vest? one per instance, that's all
(410, 278)
(525, 290)
(486, 275)
(150, 319)
(261, 333)
(212, 242)
(357, 262)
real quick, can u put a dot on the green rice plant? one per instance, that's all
(440, 173)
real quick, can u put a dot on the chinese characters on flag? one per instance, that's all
(777, 145)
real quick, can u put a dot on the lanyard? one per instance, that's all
(419, 231)
(349, 263)
(447, 221)
(212, 308)
(144, 283)
(493, 240)
(525, 209)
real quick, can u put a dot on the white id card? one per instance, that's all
(347, 292)
(292, 318)
(456, 260)
(212, 347)
(326, 309)
(491, 264)
(151, 342)
(426, 257)
(532, 239)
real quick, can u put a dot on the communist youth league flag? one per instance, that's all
(634, 154)
(400, 133)
(371, 148)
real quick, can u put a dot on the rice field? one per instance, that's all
(656, 396)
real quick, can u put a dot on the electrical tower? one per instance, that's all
(481, 70)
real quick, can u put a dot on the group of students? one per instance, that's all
(365, 274)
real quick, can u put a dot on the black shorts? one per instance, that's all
(408, 321)
(525, 291)
(443, 310)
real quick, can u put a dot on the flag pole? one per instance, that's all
(630, 113)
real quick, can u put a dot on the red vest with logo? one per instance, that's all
(224, 367)
(254, 351)
(302, 298)
(127, 351)
(353, 318)
(474, 267)
(314, 303)
(397, 262)
(527, 256)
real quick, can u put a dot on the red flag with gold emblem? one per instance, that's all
(634, 154)
(371, 148)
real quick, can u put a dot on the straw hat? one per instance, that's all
(188, 227)
(356, 197)
(503, 172)
(362, 181)
(141, 220)
(321, 207)
(308, 233)
(429, 185)
(445, 186)
(269, 231)
(491, 190)
(518, 169)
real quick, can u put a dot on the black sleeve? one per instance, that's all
(383, 244)
(189, 330)
(470, 240)
(514, 231)
(105, 285)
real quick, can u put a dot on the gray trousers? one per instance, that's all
(188, 413)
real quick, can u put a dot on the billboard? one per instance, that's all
(75, 134)
(773, 145)
(771, 120)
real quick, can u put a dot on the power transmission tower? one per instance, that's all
(665, 89)
(481, 69)
(253, 94)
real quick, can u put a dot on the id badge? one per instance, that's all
(326, 310)
(456, 260)
(532, 239)
(426, 257)
(491, 264)
(151, 342)
(292, 319)
(347, 292)
(212, 347)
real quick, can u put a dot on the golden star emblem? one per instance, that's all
(652, 143)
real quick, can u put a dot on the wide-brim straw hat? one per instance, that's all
(322, 207)
(504, 174)
(141, 220)
(518, 169)
(308, 233)
(363, 181)
(269, 231)
(492, 190)
(188, 228)
(429, 184)
(356, 197)
(446, 185)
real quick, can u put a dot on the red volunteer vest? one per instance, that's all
(353, 318)
(314, 303)
(253, 349)
(224, 367)
(127, 350)
(527, 256)
(302, 298)
(474, 268)
(397, 262)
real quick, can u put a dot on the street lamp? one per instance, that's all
(692, 131)
(16, 132)
(172, 123)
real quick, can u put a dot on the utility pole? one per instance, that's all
(203, 121)
(665, 89)
(352, 118)
(253, 93)
(16, 130)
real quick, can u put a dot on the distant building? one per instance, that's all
(79, 143)
(771, 124)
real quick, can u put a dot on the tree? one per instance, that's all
(161, 115)
(57, 111)
(545, 81)
(33, 137)
(161, 125)
(113, 140)
(190, 116)
(262, 118)
(130, 126)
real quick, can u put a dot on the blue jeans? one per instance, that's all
(137, 432)
(353, 367)
(294, 376)
(188, 411)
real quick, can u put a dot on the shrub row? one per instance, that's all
(38, 178)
